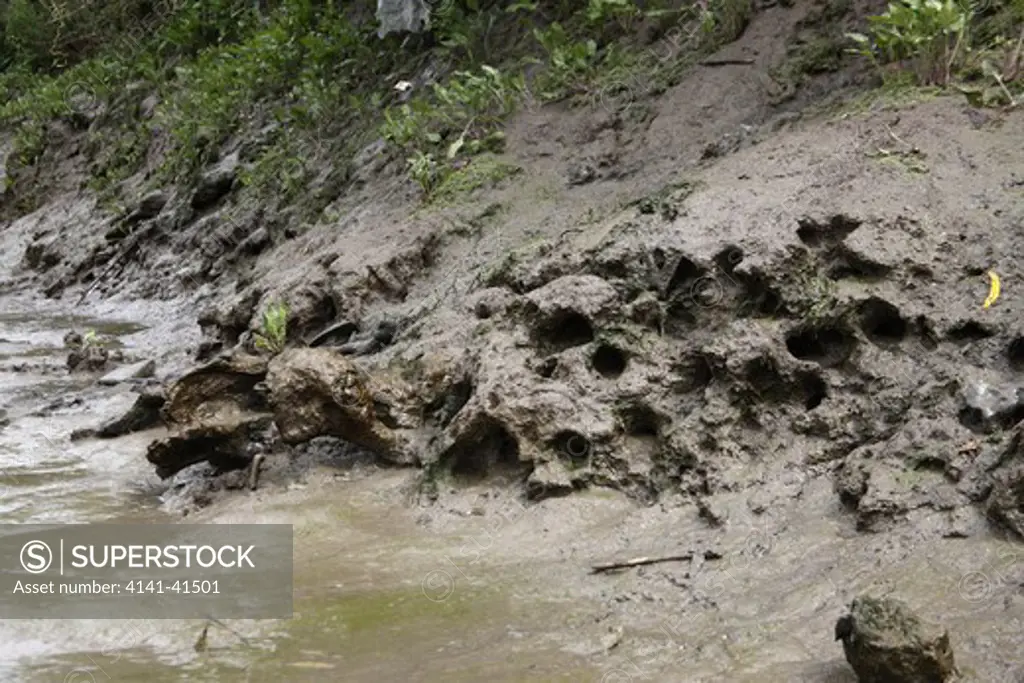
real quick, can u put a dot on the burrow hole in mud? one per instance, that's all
(969, 331)
(926, 334)
(640, 421)
(1015, 354)
(694, 373)
(729, 258)
(491, 450)
(572, 446)
(844, 263)
(882, 323)
(444, 409)
(975, 420)
(609, 361)
(763, 377)
(659, 258)
(815, 233)
(814, 389)
(546, 368)
(827, 345)
(759, 298)
(565, 330)
(684, 275)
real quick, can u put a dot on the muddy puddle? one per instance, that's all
(478, 586)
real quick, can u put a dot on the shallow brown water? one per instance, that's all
(358, 614)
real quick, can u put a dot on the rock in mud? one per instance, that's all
(125, 373)
(885, 642)
(224, 443)
(215, 183)
(89, 354)
(226, 380)
(988, 406)
(88, 359)
(149, 207)
(144, 414)
(320, 392)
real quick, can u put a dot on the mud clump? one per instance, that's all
(885, 642)
(223, 443)
(603, 363)
(229, 380)
(319, 392)
(213, 412)
(87, 353)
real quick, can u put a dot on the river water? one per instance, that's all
(384, 590)
(361, 610)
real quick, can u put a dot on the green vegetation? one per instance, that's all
(301, 85)
(950, 43)
(169, 84)
(273, 332)
(929, 35)
(92, 340)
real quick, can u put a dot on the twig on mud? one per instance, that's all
(641, 561)
(726, 62)
(201, 643)
(912, 149)
(254, 471)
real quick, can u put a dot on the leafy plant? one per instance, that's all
(601, 11)
(723, 21)
(570, 65)
(90, 339)
(273, 332)
(423, 169)
(930, 34)
(457, 119)
(1000, 68)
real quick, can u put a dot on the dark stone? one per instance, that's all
(215, 183)
(885, 642)
(223, 444)
(149, 207)
(143, 414)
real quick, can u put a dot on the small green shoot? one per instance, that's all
(273, 332)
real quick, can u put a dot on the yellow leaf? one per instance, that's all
(994, 289)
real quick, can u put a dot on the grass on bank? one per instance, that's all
(304, 82)
(312, 76)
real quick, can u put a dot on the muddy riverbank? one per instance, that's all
(484, 584)
(719, 328)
